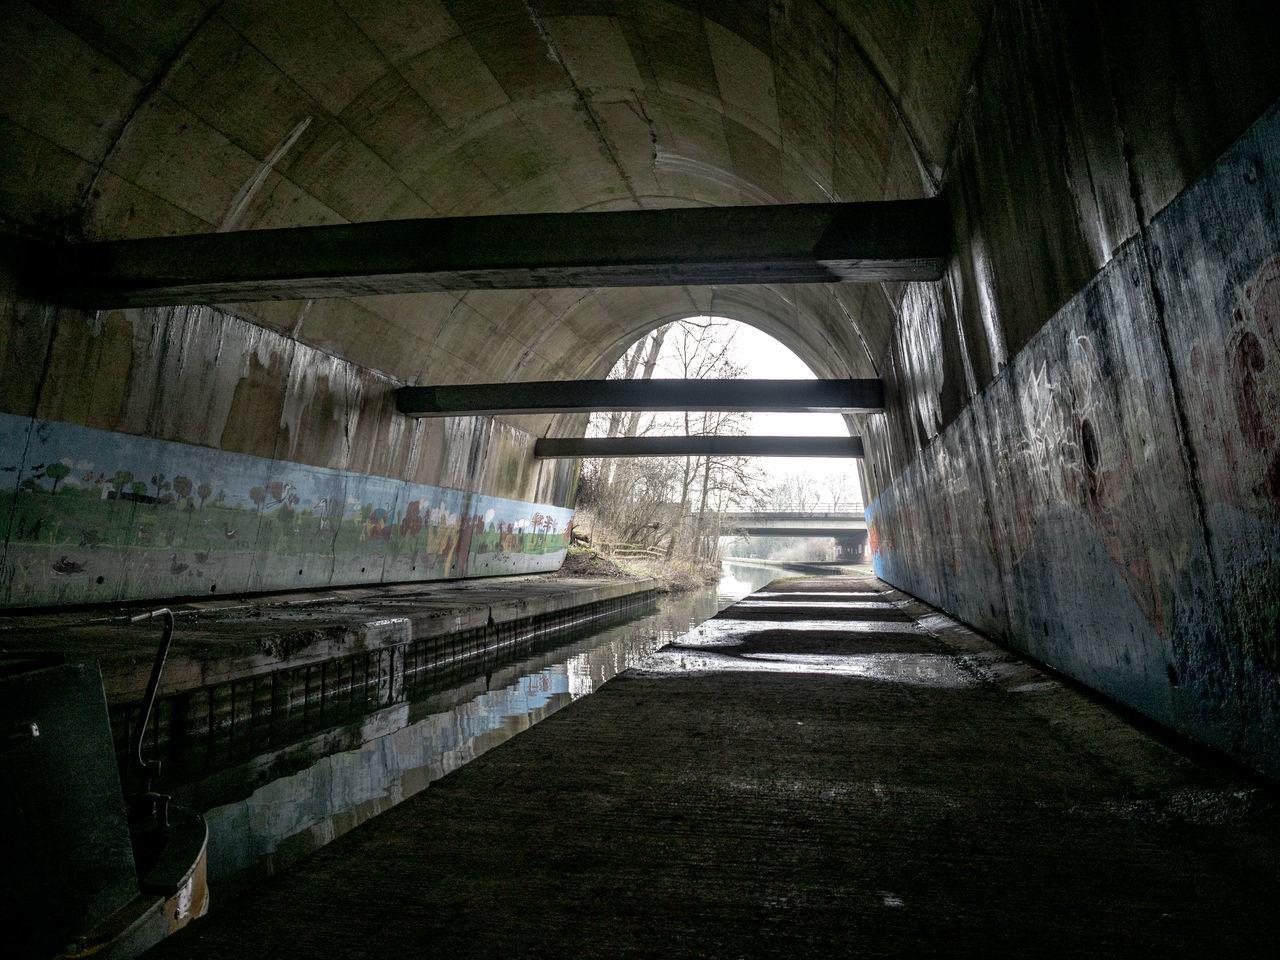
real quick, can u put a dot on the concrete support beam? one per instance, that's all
(789, 243)
(780, 531)
(590, 396)
(550, 448)
(782, 525)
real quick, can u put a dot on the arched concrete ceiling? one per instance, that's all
(161, 117)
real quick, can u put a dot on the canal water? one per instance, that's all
(280, 805)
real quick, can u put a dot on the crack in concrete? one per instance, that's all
(933, 179)
(1144, 250)
(244, 196)
(593, 122)
(638, 109)
(553, 54)
(157, 81)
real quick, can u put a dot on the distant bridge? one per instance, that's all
(823, 520)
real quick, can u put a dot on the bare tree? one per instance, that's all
(647, 501)
(630, 363)
(650, 347)
(656, 341)
(794, 492)
(702, 352)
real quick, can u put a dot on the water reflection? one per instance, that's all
(912, 669)
(283, 804)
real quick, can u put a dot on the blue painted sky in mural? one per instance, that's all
(95, 456)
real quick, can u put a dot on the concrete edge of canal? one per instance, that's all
(217, 642)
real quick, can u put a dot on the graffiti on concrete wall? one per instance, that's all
(1242, 421)
(1111, 503)
(1232, 387)
(1255, 378)
(94, 516)
(1086, 439)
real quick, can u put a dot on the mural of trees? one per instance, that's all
(153, 518)
(55, 472)
(411, 525)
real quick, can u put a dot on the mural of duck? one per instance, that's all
(65, 565)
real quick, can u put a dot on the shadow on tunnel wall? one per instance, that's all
(1111, 502)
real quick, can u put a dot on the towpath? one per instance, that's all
(828, 768)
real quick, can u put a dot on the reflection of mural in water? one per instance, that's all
(102, 516)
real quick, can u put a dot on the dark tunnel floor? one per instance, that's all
(818, 787)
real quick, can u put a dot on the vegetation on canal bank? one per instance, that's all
(674, 576)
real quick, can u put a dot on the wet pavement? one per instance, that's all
(828, 768)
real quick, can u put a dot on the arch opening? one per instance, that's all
(678, 505)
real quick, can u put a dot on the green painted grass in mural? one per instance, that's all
(81, 519)
(83, 528)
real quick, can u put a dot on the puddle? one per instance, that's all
(776, 602)
(912, 669)
(725, 631)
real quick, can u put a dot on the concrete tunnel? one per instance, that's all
(1080, 448)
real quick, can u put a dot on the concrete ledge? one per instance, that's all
(223, 640)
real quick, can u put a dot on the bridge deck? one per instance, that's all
(830, 769)
(798, 523)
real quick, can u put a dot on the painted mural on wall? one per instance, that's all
(1111, 503)
(95, 516)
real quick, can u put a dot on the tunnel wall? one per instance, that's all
(1108, 500)
(185, 452)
